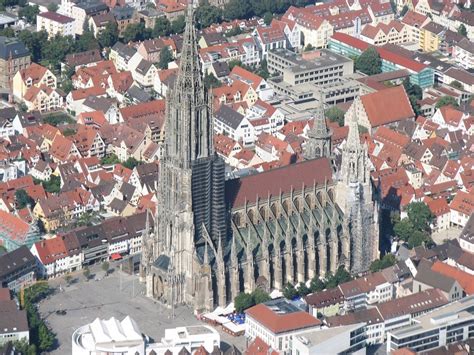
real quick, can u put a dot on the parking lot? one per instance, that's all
(116, 295)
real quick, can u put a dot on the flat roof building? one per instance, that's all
(451, 323)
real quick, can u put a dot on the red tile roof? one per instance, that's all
(282, 180)
(438, 207)
(463, 202)
(259, 347)
(13, 227)
(465, 280)
(281, 323)
(50, 250)
(54, 16)
(387, 106)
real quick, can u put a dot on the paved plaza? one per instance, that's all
(116, 295)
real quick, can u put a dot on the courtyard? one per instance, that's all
(116, 295)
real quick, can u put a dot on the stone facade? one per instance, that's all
(213, 239)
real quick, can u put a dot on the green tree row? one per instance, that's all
(330, 281)
(247, 300)
(41, 336)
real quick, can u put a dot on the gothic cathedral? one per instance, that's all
(212, 239)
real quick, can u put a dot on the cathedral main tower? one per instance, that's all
(191, 208)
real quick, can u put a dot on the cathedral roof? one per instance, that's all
(274, 181)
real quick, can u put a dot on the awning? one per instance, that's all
(116, 256)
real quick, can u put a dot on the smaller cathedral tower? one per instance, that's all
(354, 196)
(319, 143)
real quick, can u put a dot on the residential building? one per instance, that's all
(451, 323)
(463, 54)
(15, 232)
(14, 56)
(431, 36)
(58, 255)
(121, 54)
(43, 99)
(81, 11)
(269, 37)
(13, 322)
(427, 278)
(466, 238)
(55, 24)
(395, 32)
(276, 322)
(234, 125)
(34, 75)
(17, 269)
(462, 207)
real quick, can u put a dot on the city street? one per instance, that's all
(116, 295)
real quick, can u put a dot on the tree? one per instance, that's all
(403, 229)
(404, 10)
(263, 69)
(29, 13)
(86, 42)
(416, 239)
(369, 62)
(243, 301)
(309, 47)
(446, 101)
(317, 285)
(7, 32)
(111, 159)
(53, 185)
(109, 36)
(260, 296)
(268, 18)
(177, 26)
(380, 264)
(335, 114)
(23, 199)
(457, 85)
(238, 9)
(207, 14)
(162, 27)
(303, 290)
(412, 89)
(289, 291)
(136, 32)
(165, 57)
(105, 267)
(46, 338)
(131, 163)
(87, 273)
(34, 41)
(52, 7)
(462, 30)
(24, 348)
(234, 63)
(420, 216)
(55, 50)
(211, 81)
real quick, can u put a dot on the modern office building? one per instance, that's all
(451, 323)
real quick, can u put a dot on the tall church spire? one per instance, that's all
(355, 164)
(188, 126)
(319, 144)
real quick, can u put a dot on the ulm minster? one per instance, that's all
(212, 237)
